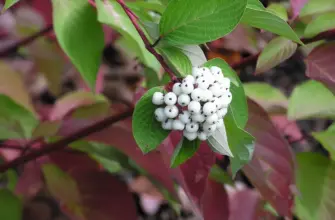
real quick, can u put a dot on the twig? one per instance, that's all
(51, 147)
(13, 48)
(146, 41)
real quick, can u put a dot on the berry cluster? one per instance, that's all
(197, 105)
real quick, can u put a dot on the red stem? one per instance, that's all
(146, 42)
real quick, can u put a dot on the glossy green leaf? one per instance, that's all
(279, 10)
(275, 52)
(311, 99)
(10, 206)
(80, 35)
(219, 142)
(267, 96)
(194, 54)
(147, 6)
(177, 59)
(8, 4)
(239, 105)
(320, 24)
(315, 182)
(257, 16)
(148, 132)
(315, 7)
(197, 21)
(184, 151)
(327, 139)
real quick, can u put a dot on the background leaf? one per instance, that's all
(327, 139)
(80, 35)
(296, 6)
(279, 10)
(208, 21)
(315, 7)
(322, 23)
(8, 4)
(184, 151)
(10, 206)
(275, 52)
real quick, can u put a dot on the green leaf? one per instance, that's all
(178, 60)
(327, 139)
(257, 16)
(151, 77)
(148, 132)
(322, 23)
(241, 143)
(239, 104)
(194, 54)
(147, 6)
(315, 182)
(10, 206)
(184, 151)
(315, 7)
(311, 99)
(8, 4)
(275, 52)
(46, 129)
(219, 175)
(279, 10)
(267, 96)
(197, 21)
(80, 36)
(219, 142)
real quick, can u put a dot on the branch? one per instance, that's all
(13, 48)
(146, 41)
(327, 35)
(58, 145)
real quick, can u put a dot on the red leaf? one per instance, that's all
(320, 65)
(271, 170)
(244, 205)
(286, 127)
(296, 6)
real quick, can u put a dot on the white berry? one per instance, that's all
(215, 89)
(202, 83)
(197, 94)
(176, 89)
(194, 107)
(171, 111)
(189, 78)
(178, 125)
(225, 83)
(209, 128)
(170, 98)
(207, 96)
(212, 119)
(222, 112)
(185, 117)
(226, 99)
(167, 125)
(209, 108)
(218, 103)
(192, 127)
(158, 98)
(216, 70)
(198, 118)
(190, 135)
(196, 72)
(219, 123)
(205, 70)
(187, 87)
(160, 114)
(184, 100)
(202, 136)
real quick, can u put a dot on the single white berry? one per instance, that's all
(194, 107)
(226, 99)
(196, 72)
(190, 135)
(197, 94)
(176, 89)
(207, 96)
(167, 125)
(209, 77)
(216, 70)
(209, 108)
(158, 98)
(160, 114)
(202, 135)
(178, 125)
(170, 98)
(192, 127)
(209, 128)
(218, 103)
(215, 89)
(225, 83)
(212, 119)
(202, 83)
(171, 111)
(184, 100)
(219, 123)
(222, 112)
(187, 87)
(198, 118)
(185, 117)
(205, 70)
(189, 78)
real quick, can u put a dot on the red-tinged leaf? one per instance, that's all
(320, 65)
(215, 204)
(296, 6)
(87, 192)
(243, 205)
(30, 180)
(287, 127)
(271, 170)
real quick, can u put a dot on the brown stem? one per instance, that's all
(146, 40)
(13, 48)
(51, 147)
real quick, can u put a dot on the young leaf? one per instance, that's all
(311, 100)
(239, 105)
(148, 132)
(8, 4)
(322, 23)
(257, 16)
(316, 197)
(279, 10)
(80, 36)
(197, 21)
(177, 59)
(10, 206)
(184, 151)
(219, 142)
(275, 52)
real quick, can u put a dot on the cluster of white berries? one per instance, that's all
(197, 105)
